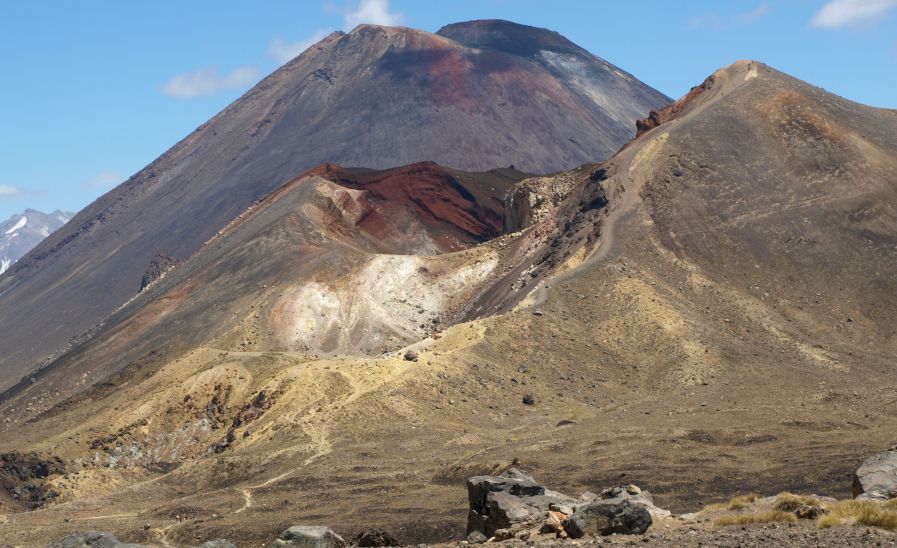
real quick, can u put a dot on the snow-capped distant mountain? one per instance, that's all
(20, 233)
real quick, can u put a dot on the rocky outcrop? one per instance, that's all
(533, 200)
(618, 510)
(876, 478)
(22, 477)
(499, 502)
(636, 495)
(156, 269)
(310, 536)
(662, 116)
(93, 539)
(514, 505)
(607, 517)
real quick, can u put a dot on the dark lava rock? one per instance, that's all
(22, 477)
(514, 505)
(876, 478)
(374, 537)
(590, 519)
(411, 356)
(528, 399)
(24, 467)
(499, 502)
(630, 519)
(608, 517)
(159, 265)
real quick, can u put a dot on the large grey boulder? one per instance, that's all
(876, 478)
(501, 502)
(506, 510)
(514, 505)
(513, 481)
(634, 494)
(92, 539)
(310, 536)
(607, 517)
(590, 519)
(630, 519)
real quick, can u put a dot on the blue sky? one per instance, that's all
(92, 91)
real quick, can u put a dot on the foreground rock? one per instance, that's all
(876, 478)
(514, 505)
(314, 536)
(799, 534)
(605, 517)
(94, 539)
(374, 537)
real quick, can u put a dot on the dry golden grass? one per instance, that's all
(735, 503)
(789, 502)
(747, 519)
(862, 512)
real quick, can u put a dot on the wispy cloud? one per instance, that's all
(8, 192)
(285, 51)
(716, 21)
(758, 13)
(375, 12)
(11, 192)
(103, 180)
(208, 80)
(843, 13)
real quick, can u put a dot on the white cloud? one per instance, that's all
(375, 12)
(207, 81)
(103, 180)
(716, 21)
(285, 51)
(10, 192)
(758, 13)
(842, 13)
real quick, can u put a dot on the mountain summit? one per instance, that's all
(592, 80)
(381, 97)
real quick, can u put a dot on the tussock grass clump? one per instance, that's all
(739, 502)
(747, 519)
(789, 502)
(862, 512)
(735, 503)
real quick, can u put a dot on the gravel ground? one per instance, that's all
(797, 534)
